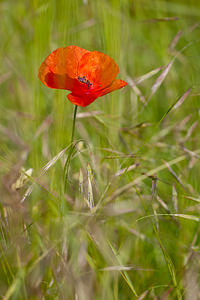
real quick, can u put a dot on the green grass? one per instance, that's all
(128, 225)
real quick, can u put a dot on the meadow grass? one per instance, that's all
(128, 225)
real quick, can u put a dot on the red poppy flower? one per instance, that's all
(88, 75)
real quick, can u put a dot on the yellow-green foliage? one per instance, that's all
(128, 224)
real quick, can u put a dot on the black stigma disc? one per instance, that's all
(84, 80)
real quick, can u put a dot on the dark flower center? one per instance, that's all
(84, 80)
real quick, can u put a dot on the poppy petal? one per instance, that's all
(99, 68)
(80, 100)
(55, 81)
(116, 84)
(61, 66)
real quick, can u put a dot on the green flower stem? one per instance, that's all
(74, 122)
(71, 149)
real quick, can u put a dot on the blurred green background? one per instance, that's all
(128, 225)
